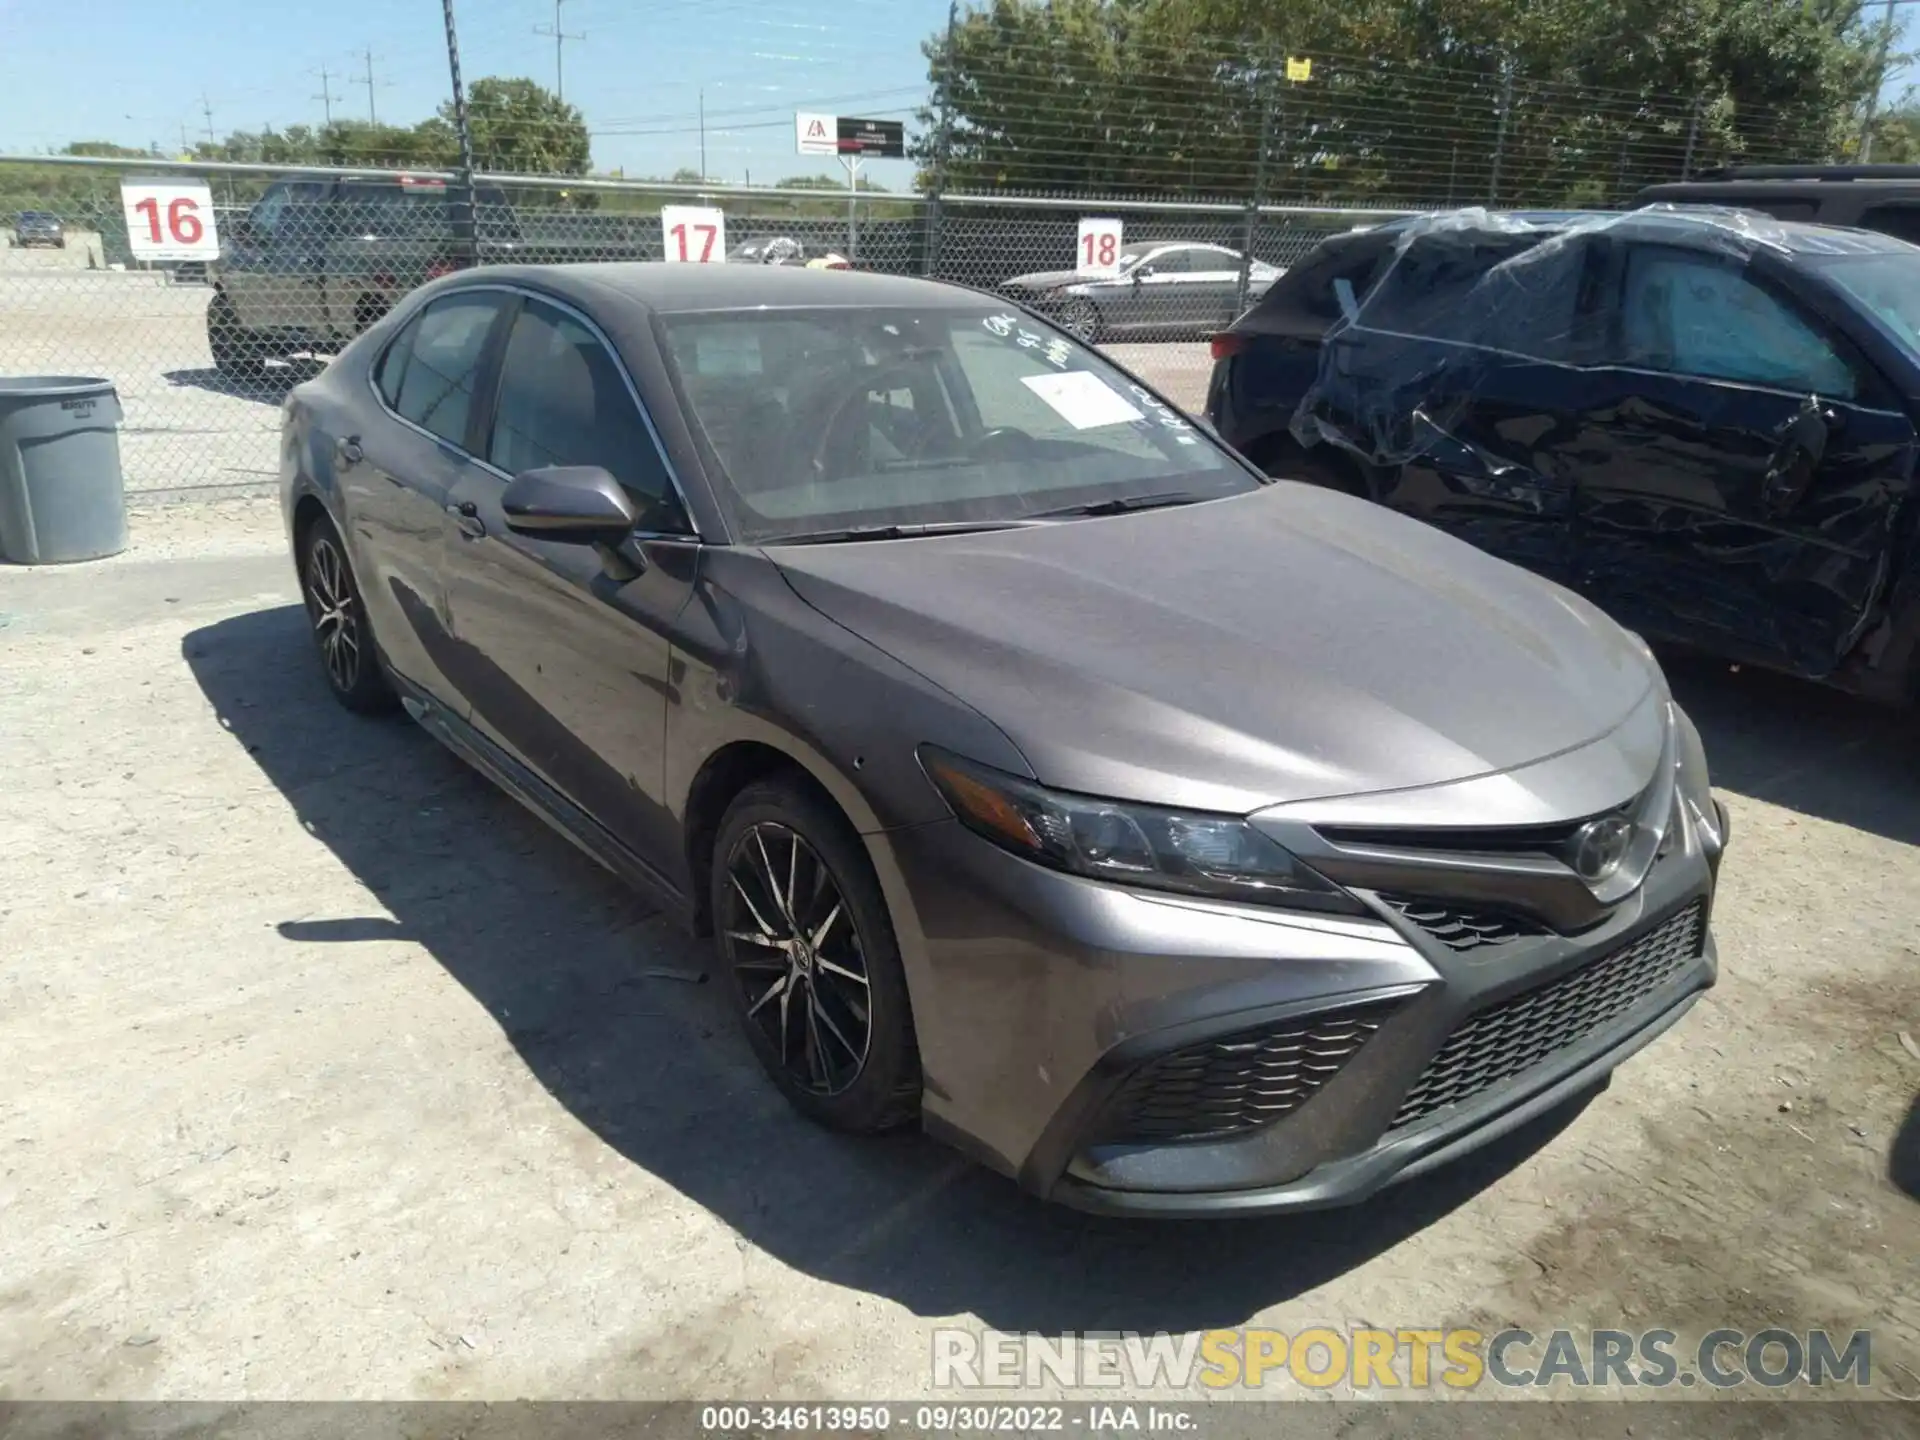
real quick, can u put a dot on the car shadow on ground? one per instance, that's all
(1805, 747)
(269, 388)
(1903, 1159)
(568, 964)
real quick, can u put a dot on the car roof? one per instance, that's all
(668, 289)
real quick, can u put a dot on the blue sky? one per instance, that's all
(135, 72)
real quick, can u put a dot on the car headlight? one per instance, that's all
(1192, 852)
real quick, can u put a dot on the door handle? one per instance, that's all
(349, 451)
(466, 515)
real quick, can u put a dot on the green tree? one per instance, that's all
(518, 126)
(1409, 100)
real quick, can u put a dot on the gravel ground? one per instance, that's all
(331, 1073)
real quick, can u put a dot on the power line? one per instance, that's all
(560, 38)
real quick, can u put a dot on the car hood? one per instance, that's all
(1045, 280)
(1285, 645)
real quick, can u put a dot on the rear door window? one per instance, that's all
(436, 386)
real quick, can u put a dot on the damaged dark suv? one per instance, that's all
(1702, 420)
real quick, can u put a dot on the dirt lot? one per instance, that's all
(330, 1073)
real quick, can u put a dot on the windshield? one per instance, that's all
(1887, 285)
(840, 418)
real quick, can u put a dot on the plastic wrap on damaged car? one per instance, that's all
(1474, 299)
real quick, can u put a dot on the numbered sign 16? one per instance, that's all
(693, 234)
(169, 219)
(1099, 249)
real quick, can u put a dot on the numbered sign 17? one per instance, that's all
(169, 219)
(1099, 248)
(693, 234)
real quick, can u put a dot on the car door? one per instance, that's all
(1454, 382)
(1159, 304)
(274, 273)
(398, 472)
(1212, 288)
(566, 667)
(1742, 468)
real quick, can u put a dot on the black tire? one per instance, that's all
(237, 352)
(342, 633)
(858, 1088)
(1080, 318)
(1324, 465)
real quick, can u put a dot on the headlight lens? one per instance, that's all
(1191, 852)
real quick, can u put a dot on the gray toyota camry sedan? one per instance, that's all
(1174, 840)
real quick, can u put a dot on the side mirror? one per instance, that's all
(1142, 272)
(574, 504)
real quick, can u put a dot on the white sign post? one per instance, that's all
(169, 219)
(1098, 249)
(693, 234)
(816, 134)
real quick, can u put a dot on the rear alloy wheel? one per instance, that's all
(339, 619)
(1081, 319)
(804, 939)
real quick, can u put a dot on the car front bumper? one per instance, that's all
(1068, 1028)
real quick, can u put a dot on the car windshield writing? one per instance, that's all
(849, 417)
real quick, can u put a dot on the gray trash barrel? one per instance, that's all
(62, 496)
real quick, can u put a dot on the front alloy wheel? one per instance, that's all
(798, 959)
(804, 940)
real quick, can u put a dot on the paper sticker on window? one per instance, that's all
(1082, 399)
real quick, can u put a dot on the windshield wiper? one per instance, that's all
(1123, 504)
(896, 532)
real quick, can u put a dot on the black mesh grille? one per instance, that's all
(1460, 929)
(1239, 1082)
(1521, 1031)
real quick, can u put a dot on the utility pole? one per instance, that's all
(325, 97)
(560, 38)
(367, 57)
(703, 132)
(463, 226)
(206, 109)
(1879, 80)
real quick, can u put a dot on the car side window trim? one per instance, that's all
(488, 382)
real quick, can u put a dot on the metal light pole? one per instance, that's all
(462, 208)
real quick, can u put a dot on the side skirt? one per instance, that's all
(560, 813)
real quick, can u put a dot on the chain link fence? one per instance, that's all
(203, 355)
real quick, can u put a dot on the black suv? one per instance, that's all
(1702, 420)
(1866, 197)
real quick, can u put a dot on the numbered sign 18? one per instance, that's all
(693, 234)
(1099, 248)
(169, 219)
